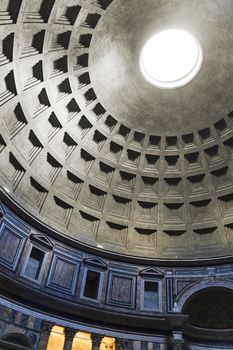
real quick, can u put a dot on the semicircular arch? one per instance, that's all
(191, 291)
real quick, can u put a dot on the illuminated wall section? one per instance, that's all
(56, 339)
(108, 344)
(82, 341)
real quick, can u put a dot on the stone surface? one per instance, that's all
(95, 152)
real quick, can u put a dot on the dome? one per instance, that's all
(99, 155)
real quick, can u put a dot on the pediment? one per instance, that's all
(152, 272)
(96, 262)
(42, 240)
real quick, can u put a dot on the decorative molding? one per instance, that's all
(2, 211)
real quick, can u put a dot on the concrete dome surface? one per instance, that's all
(94, 151)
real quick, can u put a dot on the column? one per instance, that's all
(121, 344)
(69, 336)
(96, 341)
(44, 335)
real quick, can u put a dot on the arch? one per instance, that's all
(190, 291)
(16, 339)
(212, 308)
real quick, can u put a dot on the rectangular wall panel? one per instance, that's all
(63, 274)
(11, 245)
(121, 289)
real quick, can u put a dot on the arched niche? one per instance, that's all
(210, 308)
(15, 341)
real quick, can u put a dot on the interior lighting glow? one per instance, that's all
(171, 59)
(6, 189)
(100, 246)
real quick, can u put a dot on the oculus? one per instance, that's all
(171, 59)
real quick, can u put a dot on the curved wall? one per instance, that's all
(56, 283)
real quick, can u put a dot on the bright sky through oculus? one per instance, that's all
(171, 58)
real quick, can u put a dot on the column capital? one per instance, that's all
(121, 344)
(96, 339)
(70, 333)
(177, 344)
(46, 327)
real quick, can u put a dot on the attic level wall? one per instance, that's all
(96, 290)
(35, 329)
